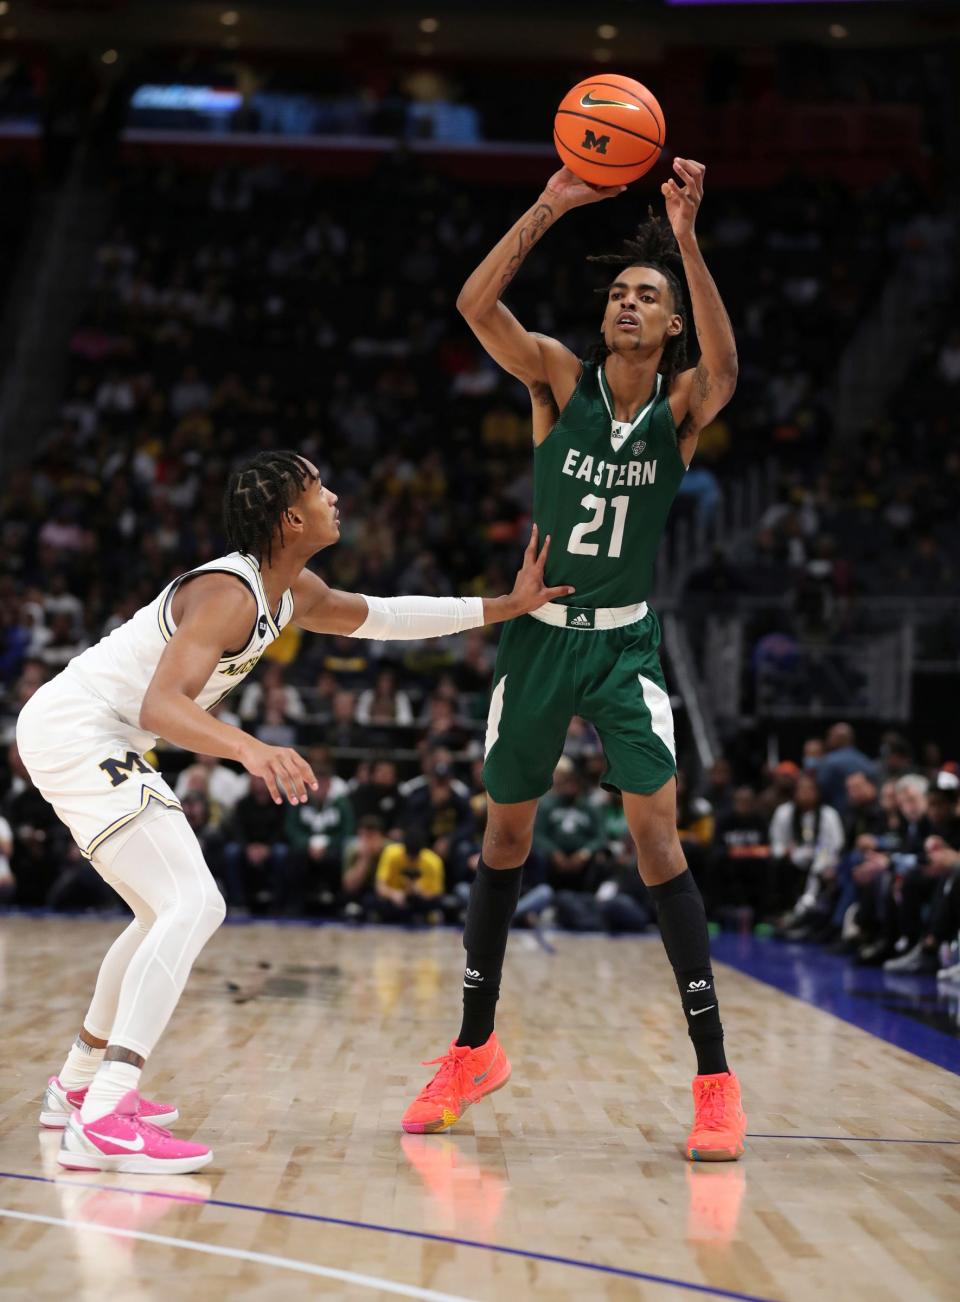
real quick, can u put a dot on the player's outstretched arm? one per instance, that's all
(533, 359)
(700, 393)
(217, 615)
(322, 609)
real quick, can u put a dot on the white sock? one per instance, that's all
(81, 1065)
(112, 1081)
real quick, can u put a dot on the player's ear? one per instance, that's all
(293, 519)
(675, 325)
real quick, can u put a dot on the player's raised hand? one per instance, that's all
(683, 201)
(530, 591)
(566, 189)
(284, 771)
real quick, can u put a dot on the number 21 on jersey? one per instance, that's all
(598, 505)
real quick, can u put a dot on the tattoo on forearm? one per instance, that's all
(699, 393)
(701, 385)
(542, 395)
(540, 219)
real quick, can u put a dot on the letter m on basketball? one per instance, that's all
(118, 770)
(597, 143)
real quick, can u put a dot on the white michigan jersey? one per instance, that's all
(80, 736)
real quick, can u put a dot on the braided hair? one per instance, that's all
(652, 246)
(259, 494)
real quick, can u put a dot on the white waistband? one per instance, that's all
(589, 619)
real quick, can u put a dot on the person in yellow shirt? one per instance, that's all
(409, 880)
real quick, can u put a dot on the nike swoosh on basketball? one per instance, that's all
(135, 1145)
(695, 1011)
(590, 101)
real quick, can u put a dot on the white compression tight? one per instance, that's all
(158, 868)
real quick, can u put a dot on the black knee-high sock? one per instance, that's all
(683, 926)
(493, 902)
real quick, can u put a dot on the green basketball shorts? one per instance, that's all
(546, 673)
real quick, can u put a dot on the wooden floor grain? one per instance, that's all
(295, 1051)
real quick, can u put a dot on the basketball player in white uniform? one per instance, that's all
(82, 737)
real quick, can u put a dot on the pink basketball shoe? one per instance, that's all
(59, 1102)
(123, 1141)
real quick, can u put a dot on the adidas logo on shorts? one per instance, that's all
(579, 617)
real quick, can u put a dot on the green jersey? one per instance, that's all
(602, 489)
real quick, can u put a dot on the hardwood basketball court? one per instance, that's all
(296, 1049)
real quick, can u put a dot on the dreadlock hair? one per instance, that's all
(259, 493)
(654, 246)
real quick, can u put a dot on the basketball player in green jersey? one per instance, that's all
(612, 440)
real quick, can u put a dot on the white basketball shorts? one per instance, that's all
(86, 761)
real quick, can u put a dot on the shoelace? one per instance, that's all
(450, 1066)
(141, 1124)
(711, 1106)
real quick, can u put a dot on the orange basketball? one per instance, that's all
(609, 129)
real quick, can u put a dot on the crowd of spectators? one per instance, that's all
(860, 853)
(248, 309)
(239, 310)
(869, 523)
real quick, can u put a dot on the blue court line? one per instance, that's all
(548, 1257)
(864, 997)
(853, 1139)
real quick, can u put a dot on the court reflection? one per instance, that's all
(127, 1203)
(466, 1197)
(716, 1193)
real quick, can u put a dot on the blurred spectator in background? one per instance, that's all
(896, 757)
(197, 811)
(343, 732)
(317, 834)
(740, 863)
(841, 758)
(864, 823)
(568, 831)
(56, 643)
(880, 876)
(929, 900)
(806, 840)
(78, 886)
(257, 691)
(255, 859)
(695, 823)
(384, 703)
(324, 690)
(222, 785)
(441, 816)
(911, 881)
(623, 902)
(274, 727)
(41, 843)
(582, 741)
(360, 866)
(375, 791)
(409, 882)
(442, 723)
(779, 787)
(719, 789)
